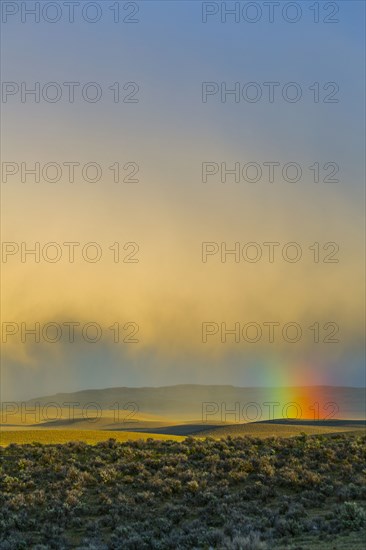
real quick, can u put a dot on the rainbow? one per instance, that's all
(303, 395)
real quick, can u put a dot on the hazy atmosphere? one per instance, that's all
(207, 164)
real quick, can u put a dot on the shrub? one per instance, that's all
(352, 516)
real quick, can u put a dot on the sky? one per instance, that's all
(165, 217)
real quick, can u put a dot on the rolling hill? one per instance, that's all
(187, 402)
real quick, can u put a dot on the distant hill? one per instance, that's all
(209, 403)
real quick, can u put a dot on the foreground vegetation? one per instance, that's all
(91, 437)
(241, 493)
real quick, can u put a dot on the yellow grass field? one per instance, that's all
(58, 436)
(65, 420)
(278, 430)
